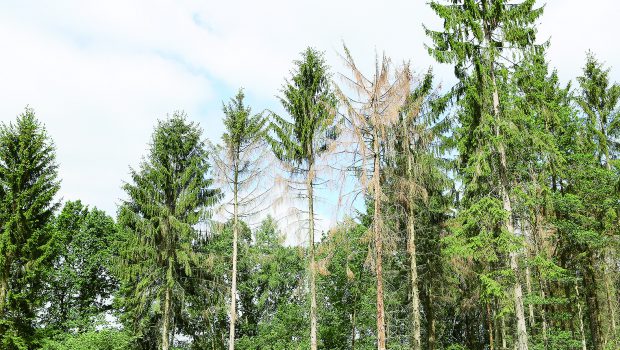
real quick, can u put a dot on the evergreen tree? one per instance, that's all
(239, 166)
(28, 184)
(370, 120)
(310, 102)
(169, 195)
(483, 38)
(600, 100)
(597, 146)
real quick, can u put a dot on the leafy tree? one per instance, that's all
(105, 339)
(271, 293)
(28, 184)
(310, 102)
(347, 288)
(79, 283)
(169, 195)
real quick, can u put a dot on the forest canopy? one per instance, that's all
(482, 215)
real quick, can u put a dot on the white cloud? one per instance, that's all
(99, 73)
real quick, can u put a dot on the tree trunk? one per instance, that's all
(353, 330)
(5, 273)
(233, 289)
(522, 341)
(609, 292)
(543, 312)
(381, 339)
(593, 304)
(504, 345)
(411, 246)
(528, 285)
(580, 314)
(415, 294)
(490, 328)
(165, 336)
(313, 308)
(430, 319)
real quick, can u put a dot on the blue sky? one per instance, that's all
(100, 73)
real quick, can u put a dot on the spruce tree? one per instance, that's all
(310, 102)
(238, 163)
(370, 117)
(483, 39)
(169, 195)
(599, 101)
(28, 186)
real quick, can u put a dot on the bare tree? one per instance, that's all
(370, 114)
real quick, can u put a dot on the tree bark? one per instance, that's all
(490, 328)
(504, 344)
(353, 330)
(165, 336)
(580, 314)
(415, 294)
(593, 304)
(609, 292)
(411, 246)
(381, 339)
(233, 289)
(522, 338)
(313, 307)
(4, 286)
(430, 319)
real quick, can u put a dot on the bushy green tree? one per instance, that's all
(485, 40)
(168, 196)
(28, 184)
(80, 283)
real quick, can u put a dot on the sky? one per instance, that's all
(99, 74)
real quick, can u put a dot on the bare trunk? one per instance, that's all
(353, 330)
(504, 345)
(490, 328)
(609, 292)
(522, 341)
(165, 329)
(4, 283)
(528, 285)
(538, 246)
(233, 289)
(415, 294)
(430, 318)
(543, 313)
(313, 308)
(593, 304)
(381, 340)
(580, 314)
(411, 246)
(4, 288)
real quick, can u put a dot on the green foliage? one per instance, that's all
(599, 101)
(242, 128)
(79, 281)
(105, 339)
(168, 197)
(28, 184)
(309, 100)
(496, 205)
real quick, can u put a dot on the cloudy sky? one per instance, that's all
(100, 73)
